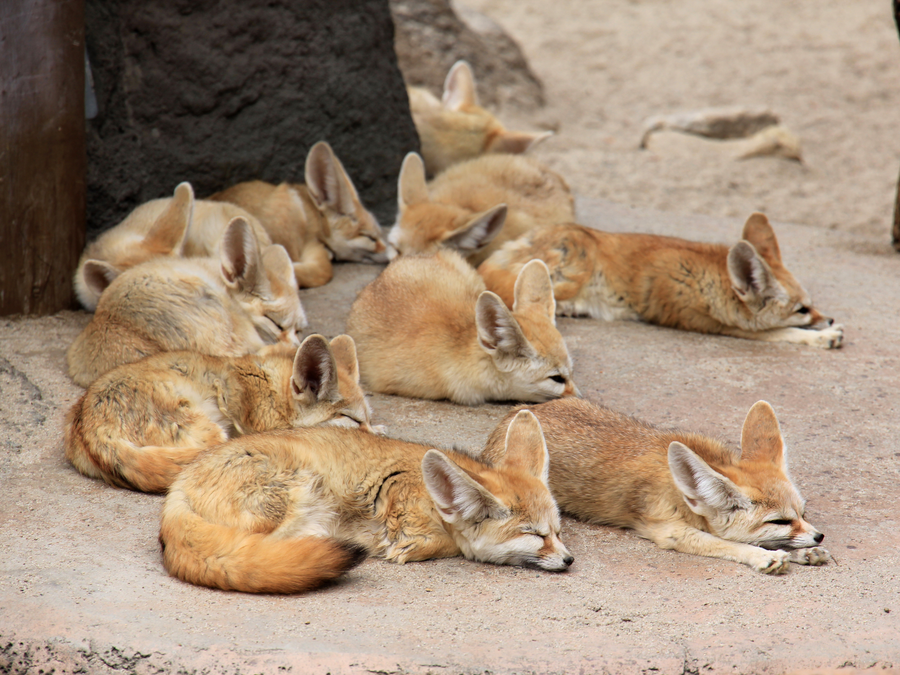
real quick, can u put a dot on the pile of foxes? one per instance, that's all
(275, 478)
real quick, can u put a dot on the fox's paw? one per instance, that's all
(772, 562)
(831, 337)
(815, 555)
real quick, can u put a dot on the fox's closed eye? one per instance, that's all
(558, 378)
(779, 522)
(803, 310)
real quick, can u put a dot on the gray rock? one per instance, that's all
(220, 92)
(432, 35)
(721, 123)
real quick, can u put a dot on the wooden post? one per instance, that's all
(42, 153)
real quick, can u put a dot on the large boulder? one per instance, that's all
(431, 35)
(220, 91)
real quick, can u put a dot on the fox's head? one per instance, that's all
(111, 255)
(503, 513)
(353, 232)
(752, 500)
(324, 385)
(527, 349)
(263, 284)
(771, 296)
(460, 127)
(423, 226)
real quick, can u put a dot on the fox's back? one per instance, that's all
(417, 317)
(607, 467)
(520, 182)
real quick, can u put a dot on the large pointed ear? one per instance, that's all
(750, 276)
(279, 268)
(479, 231)
(344, 350)
(758, 231)
(525, 447)
(241, 266)
(516, 142)
(700, 484)
(169, 230)
(761, 439)
(534, 289)
(411, 186)
(314, 377)
(98, 274)
(327, 180)
(459, 87)
(499, 333)
(457, 495)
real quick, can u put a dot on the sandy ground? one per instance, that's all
(829, 68)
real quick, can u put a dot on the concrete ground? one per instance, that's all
(82, 588)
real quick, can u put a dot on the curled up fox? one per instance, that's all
(285, 512)
(138, 425)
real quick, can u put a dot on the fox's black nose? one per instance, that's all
(819, 537)
(568, 560)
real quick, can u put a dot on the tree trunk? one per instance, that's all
(42, 153)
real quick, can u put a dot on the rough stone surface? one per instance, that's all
(217, 92)
(82, 588)
(431, 35)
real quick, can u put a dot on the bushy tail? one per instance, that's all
(121, 463)
(230, 558)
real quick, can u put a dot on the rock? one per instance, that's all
(773, 141)
(220, 92)
(431, 35)
(719, 123)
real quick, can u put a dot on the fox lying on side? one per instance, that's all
(172, 226)
(315, 222)
(283, 512)
(743, 291)
(456, 128)
(476, 206)
(682, 491)
(138, 425)
(229, 308)
(427, 328)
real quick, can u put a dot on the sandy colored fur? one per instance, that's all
(417, 333)
(608, 468)
(138, 425)
(663, 280)
(169, 304)
(456, 128)
(265, 512)
(534, 196)
(170, 226)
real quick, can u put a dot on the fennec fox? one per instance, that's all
(230, 307)
(742, 291)
(139, 424)
(427, 328)
(683, 491)
(456, 128)
(316, 222)
(476, 206)
(173, 226)
(283, 512)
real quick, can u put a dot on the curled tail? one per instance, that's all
(120, 462)
(220, 556)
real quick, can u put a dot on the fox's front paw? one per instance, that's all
(815, 555)
(831, 337)
(772, 562)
